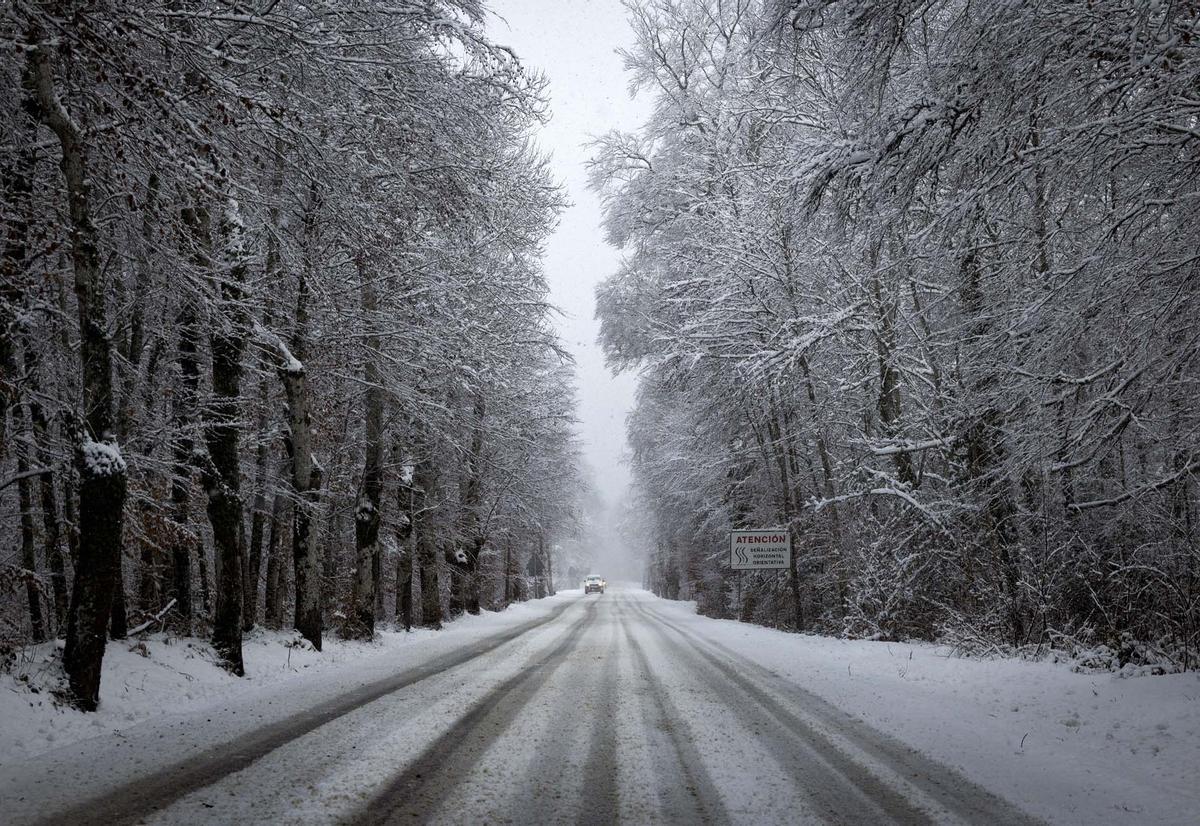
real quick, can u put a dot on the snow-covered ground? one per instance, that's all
(155, 675)
(1068, 747)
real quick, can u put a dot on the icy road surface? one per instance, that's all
(607, 708)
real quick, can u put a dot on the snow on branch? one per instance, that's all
(288, 362)
(1133, 493)
(907, 446)
(818, 505)
(1063, 378)
(37, 471)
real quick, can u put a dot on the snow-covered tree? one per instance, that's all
(914, 280)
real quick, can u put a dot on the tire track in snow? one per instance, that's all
(417, 792)
(600, 778)
(943, 786)
(572, 776)
(689, 796)
(837, 791)
(134, 801)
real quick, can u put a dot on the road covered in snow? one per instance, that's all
(623, 707)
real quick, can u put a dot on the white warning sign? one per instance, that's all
(759, 550)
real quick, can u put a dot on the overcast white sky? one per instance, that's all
(573, 42)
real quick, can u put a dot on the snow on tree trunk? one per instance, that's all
(252, 561)
(99, 464)
(405, 515)
(222, 471)
(361, 620)
(306, 472)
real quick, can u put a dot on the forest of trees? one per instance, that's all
(920, 281)
(275, 344)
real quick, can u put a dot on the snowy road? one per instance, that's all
(604, 709)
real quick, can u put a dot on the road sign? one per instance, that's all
(759, 550)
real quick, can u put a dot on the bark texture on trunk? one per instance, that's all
(472, 499)
(51, 530)
(404, 560)
(33, 597)
(306, 473)
(272, 610)
(426, 551)
(889, 403)
(276, 585)
(361, 621)
(97, 455)
(183, 410)
(132, 347)
(252, 561)
(221, 432)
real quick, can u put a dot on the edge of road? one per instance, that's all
(135, 798)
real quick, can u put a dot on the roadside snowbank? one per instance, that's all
(1072, 748)
(156, 675)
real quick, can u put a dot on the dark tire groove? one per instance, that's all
(839, 790)
(600, 772)
(136, 800)
(960, 796)
(701, 795)
(416, 793)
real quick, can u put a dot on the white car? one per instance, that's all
(594, 583)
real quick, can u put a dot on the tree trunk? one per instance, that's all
(455, 558)
(404, 584)
(549, 565)
(306, 560)
(404, 559)
(33, 597)
(97, 455)
(778, 436)
(150, 573)
(329, 529)
(471, 496)
(889, 375)
(508, 571)
(51, 531)
(306, 473)
(423, 526)
(273, 594)
(272, 602)
(221, 431)
(258, 516)
(361, 622)
(37, 437)
(183, 409)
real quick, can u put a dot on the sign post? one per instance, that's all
(760, 550)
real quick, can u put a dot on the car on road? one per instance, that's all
(594, 584)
